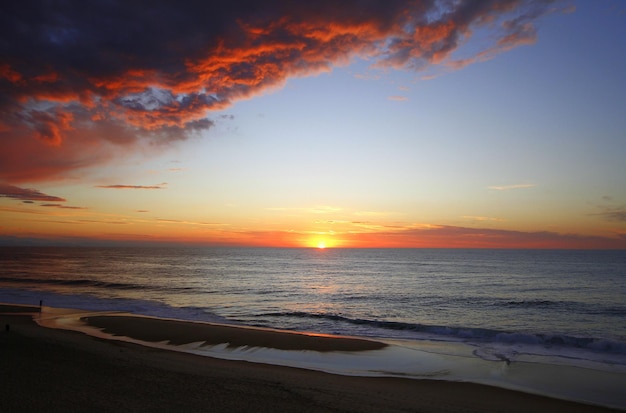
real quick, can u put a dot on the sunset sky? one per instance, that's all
(343, 123)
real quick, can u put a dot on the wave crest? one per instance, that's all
(473, 334)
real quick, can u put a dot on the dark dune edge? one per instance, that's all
(183, 332)
(63, 371)
(14, 308)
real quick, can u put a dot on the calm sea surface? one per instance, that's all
(565, 303)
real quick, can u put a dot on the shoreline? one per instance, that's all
(108, 373)
(182, 332)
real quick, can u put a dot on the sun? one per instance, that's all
(320, 242)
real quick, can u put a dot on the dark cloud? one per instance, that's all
(79, 79)
(610, 211)
(26, 194)
(62, 206)
(619, 216)
(614, 214)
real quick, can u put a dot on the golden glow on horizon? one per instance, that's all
(92, 227)
(321, 241)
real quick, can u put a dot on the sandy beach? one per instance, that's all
(54, 370)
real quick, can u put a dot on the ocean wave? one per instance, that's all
(473, 334)
(71, 283)
(569, 306)
(532, 304)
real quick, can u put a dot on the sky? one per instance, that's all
(391, 123)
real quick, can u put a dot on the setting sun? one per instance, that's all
(321, 242)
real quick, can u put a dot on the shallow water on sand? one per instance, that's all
(398, 358)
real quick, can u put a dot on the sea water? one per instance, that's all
(565, 307)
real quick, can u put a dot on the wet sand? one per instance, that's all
(57, 370)
(180, 332)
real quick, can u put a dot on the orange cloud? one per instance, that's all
(118, 186)
(76, 90)
(9, 74)
(50, 127)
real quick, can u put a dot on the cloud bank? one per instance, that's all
(81, 82)
(444, 236)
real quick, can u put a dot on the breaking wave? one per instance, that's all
(472, 334)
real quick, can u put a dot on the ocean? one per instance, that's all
(565, 307)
